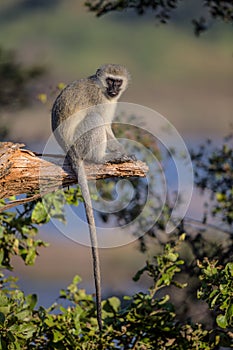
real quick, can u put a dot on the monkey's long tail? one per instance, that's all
(82, 180)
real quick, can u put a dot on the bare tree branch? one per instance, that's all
(25, 172)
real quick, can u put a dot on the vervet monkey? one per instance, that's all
(85, 134)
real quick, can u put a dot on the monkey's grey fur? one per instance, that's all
(81, 121)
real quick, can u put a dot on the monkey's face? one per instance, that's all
(113, 86)
(113, 79)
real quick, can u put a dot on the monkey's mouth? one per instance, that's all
(113, 93)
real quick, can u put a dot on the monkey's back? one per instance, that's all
(76, 96)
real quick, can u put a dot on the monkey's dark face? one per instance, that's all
(113, 86)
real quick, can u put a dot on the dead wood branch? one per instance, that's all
(25, 172)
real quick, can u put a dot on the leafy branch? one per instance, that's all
(163, 10)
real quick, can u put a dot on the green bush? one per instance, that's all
(146, 320)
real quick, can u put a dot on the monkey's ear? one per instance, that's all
(98, 72)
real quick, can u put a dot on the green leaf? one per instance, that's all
(39, 214)
(5, 309)
(1, 232)
(31, 301)
(49, 321)
(220, 197)
(221, 321)
(57, 335)
(3, 300)
(229, 314)
(215, 295)
(172, 256)
(23, 315)
(110, 307)
(10, 336)
(164, 300)
(115, 303)
(2, 318)
(229, 267)
(77, 279)
(1, 256)
(26, 330)
(30, 257)
(138, 274)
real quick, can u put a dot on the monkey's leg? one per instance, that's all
(117, 151)
(113, 144)
(91, 139)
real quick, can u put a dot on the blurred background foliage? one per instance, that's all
(184, 78)
(163, 10)
(14, 78)
(189, 80)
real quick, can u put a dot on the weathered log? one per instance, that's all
(25, 172)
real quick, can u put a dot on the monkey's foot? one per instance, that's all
(122, 159)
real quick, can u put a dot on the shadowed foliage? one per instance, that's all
(163, 10)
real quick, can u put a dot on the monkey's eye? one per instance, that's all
(118, 82)
(110, 82)
(114, 82)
